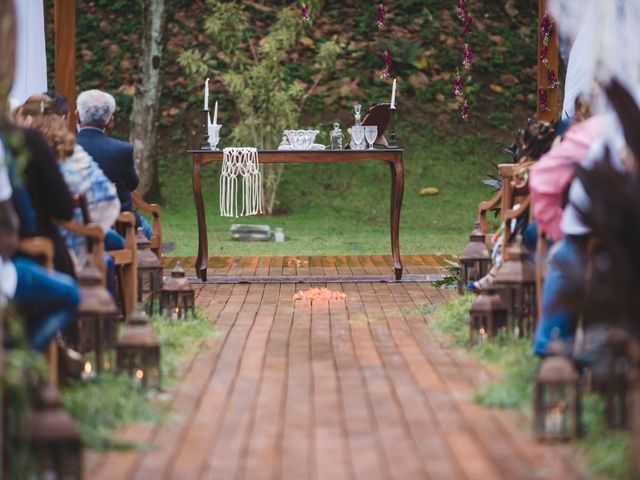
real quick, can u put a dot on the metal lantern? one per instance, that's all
(138, 351)
(616, 381)
(149, 272)
(54, 440)
(475, 260)
(97, 319)
(556, 397)
(488, 317)
(177, 298)
(516, 283)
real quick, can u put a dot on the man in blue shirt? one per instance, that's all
(115, 157)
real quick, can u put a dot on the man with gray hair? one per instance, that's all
(95, 113)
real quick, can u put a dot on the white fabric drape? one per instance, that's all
(31, 61)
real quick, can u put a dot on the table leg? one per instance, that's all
(203, 247)
(397, 191)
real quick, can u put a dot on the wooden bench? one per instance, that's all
(125, 263)
(156, 227)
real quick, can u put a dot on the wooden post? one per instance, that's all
(550, 115)
(65, 55)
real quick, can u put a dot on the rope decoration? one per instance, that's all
(243, 162)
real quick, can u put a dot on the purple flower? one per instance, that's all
(553, 80)
(462, 11)
(380, 11)
(458, 85)
(464, 113)
(468, 57)
(546, 26)
(386, 56)
(304, 13)
(543, 100)
(544, 53)
(467, 25)
(385, 74)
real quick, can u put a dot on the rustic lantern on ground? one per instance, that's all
(177, 298)
(556, 397)
(149, 272)
(97, 319)
(516, 283)
(488, 317)
(615, 382)
(475, 260)
(55, 443)
(138, 351)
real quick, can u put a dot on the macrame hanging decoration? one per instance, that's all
(241, 162)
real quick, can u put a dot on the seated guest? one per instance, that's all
(61, 106)
(47, 191)
(82, 174)
(115, 157)
(47, 299)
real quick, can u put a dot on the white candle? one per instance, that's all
(393, 94)
(206, 95)
(215, 113)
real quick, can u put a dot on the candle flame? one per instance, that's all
(482, 331)
(139, 374)
(87, 367)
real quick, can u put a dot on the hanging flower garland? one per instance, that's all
(304, 12)
(386, 73)
(380, 12)
(462, 12)
(545, 32)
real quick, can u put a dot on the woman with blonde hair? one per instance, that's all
(81, 173)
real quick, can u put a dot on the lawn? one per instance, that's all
(343, 209)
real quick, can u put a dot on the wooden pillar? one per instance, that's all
(65, 56)
(550, 115)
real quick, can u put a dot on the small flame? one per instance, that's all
(87, 367)
(482, 331)
(107, 365)
(139, 374)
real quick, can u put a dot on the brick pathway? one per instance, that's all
(350, 389)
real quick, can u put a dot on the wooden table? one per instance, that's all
(392, 156)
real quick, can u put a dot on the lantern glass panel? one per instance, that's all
(97, 333)
(61, 460)
(149, 286)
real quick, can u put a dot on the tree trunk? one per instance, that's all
(144, 115)
(271, 175)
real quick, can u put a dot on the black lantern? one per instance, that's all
(475, 260)
(55, 443)
(488, 317)
(177, 298)
(149, 272)
(556, 397)
(97, 319)
(516, 283)
(138, 351)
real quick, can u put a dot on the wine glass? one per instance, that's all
(357, 134)
(371, 133)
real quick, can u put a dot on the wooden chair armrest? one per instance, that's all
(485, 206)
(519, 211)
(140, 204)
(38, 247)
(96, 241)
(508, 169)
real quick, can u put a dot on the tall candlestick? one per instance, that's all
(215, 113)
(393, 94)
(206, 95)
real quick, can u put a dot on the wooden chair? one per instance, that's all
(125, 263)
(41, 248)
(156, 227)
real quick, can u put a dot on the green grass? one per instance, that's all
(104, 404)
(344, 208)
(603, 453)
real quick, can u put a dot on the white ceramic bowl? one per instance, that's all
(301, 139)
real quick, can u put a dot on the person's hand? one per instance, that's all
(9, 225)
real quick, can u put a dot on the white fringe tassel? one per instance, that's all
(244, 162)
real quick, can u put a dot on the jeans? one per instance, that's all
(141, 222)
(113, 240)
(566, 254)
(48, 300)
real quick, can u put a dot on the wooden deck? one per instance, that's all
(359, 388)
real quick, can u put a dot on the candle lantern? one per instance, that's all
(138, 351)
(54, 440)
(475, 260)
(149, 272)
(556, 397)
(615, 383)
(177, 298)
(516, 283)
(487, 317)
(97, 319)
